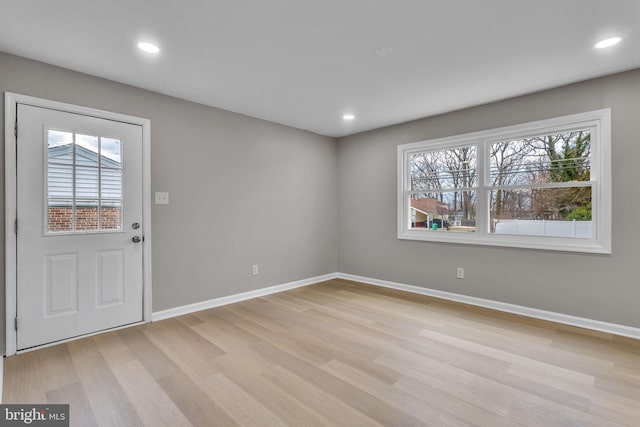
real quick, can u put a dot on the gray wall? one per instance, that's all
(592, 286)
(242, 191)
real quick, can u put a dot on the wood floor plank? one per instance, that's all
(495, 401)
(529, 350)
(427, 406)
(31, 383)
(460, 358)
(377, 409)
(189, 319)
(158, 364)
(24, 379)
(180, 343)
(618, 352)
(249, 315)
(80, 412)
(107, 399)
(113, 348)
(338, 412)
(222, 333)
(533, 413)
(247, 370)
(193, 402)
(338, 353)
(183, 391)
(180, 335)
(311, 301)
(539, 386)
(239, 404)
(147, 397)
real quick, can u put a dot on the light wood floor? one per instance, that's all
(338, 354)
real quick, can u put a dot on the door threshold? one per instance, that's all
(78, 337)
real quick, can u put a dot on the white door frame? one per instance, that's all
(11, 279)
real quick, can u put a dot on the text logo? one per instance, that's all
(34, 415)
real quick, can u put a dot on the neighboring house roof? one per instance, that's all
(64, 152)
(418, 210)
(429, 205)
(88, 185)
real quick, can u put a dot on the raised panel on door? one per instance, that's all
(110, 277)
(61, 284)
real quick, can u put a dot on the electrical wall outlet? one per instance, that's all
(162, 198)
(460, 273)
(255, 270)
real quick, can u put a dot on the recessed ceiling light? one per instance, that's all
(148, 47)
(348, 117)
(384, 51)
(608, 42)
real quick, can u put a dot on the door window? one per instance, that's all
(84, 183)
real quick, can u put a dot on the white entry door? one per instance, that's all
(79, 225)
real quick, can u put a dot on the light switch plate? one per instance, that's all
(162, 198)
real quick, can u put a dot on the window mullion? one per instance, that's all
(406, 195)
(73, 184)
(482, 210)
(441, 190)
(565, 184)
(100, 183)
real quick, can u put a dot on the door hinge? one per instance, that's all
(15, 226)
(15, 129)
(16, 323)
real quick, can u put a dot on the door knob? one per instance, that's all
(136, 239)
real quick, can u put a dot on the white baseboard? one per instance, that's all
(581, 322)
(230, 299)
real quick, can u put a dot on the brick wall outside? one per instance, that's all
(60, 218)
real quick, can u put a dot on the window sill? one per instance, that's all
(510, 241)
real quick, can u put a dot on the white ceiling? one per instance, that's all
(306, 63)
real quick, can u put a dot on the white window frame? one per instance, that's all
(599, 124)
(74, 165)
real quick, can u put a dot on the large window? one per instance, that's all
(543, 185)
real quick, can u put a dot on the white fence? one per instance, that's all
(545, 228)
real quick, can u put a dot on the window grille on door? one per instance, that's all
(84, 183)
